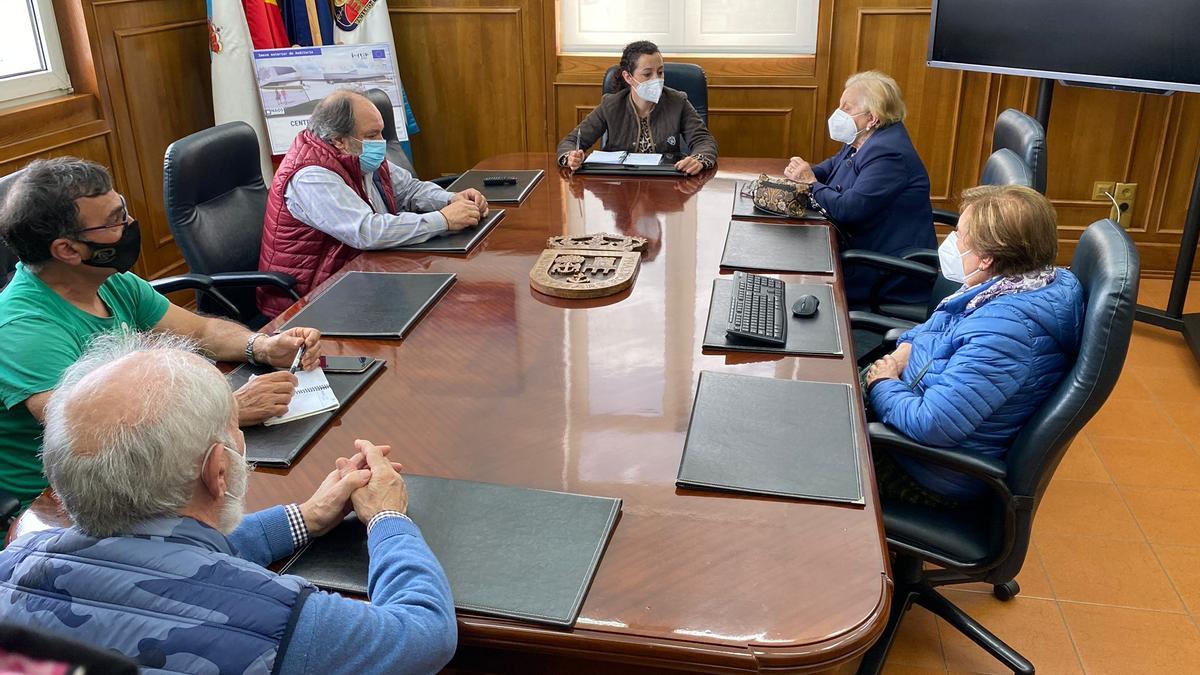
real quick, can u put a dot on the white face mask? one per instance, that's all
(842, 128)
(950, 260)
(235, 494)
(650, 90)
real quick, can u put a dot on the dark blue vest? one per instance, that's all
(171, 595)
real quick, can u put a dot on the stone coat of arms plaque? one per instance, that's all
(573, 269)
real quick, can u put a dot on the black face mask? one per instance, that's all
(120, 255)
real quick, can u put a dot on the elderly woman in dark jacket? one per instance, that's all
(875, 188)
(985, 361)
(643, 116)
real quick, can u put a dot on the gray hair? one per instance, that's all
(118, 455)
(333, 117)
(40, 206)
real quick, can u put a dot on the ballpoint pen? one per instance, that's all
(296, 361)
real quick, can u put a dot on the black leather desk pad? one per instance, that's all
(784, 438)
(777, 247)
(279, 444)
(459, 242)
(816, 335)
(508, 551)
(743, 207)
(597, 169)
(373, 304)
(499, 194)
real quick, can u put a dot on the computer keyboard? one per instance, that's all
(756, 309)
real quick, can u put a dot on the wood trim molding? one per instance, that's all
(877, 11)
(1162, 167)
(119, 35)
(451, 10)
(52, 141)
(756, 71)
(785, 113)
(955, 129)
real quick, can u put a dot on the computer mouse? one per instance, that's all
(805, 306)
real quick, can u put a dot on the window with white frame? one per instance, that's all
(31, 60)
(690, 26)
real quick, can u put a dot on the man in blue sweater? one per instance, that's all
(142, 447)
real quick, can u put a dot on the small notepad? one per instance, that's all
(643, 159)
(602, 157)
(313, 397)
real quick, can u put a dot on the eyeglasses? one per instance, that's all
(124, 220)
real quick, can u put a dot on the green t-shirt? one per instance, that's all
(41, 335)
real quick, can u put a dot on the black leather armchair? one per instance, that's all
(395, 153)
(216, 200)
(1025, 136)
(988, 543)
(1003, 167)
(686, 77)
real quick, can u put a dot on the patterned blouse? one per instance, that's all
(645, 141)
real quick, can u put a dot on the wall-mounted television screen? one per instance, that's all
(1148, 44)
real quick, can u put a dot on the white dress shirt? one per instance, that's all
(320, 198)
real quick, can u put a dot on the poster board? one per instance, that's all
(292, 81)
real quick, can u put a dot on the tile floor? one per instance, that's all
(1112, 580)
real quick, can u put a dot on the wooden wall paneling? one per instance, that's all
(1167, 202)
(474, 77)
(974, 137)
(772, 135)
(1112, 117)
(572, 103)
(1180, 164)
(762, 122)
(155, 62)
(886, 39)
(172, 49)
(94, 148)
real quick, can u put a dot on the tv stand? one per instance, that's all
(1172, 317)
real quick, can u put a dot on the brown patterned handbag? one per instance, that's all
(781, 195)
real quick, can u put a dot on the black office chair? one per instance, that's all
(871, 327)
(395, 153)
(178, 282)
(988, 542)
(216, 200)
(1025, 136)
(686, 77)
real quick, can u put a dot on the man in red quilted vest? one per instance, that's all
(335, 194)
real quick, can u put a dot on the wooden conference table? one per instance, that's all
(499, 383)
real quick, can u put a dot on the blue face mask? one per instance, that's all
(373, 153)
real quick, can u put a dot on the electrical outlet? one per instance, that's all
(1102, 186)
(1125, 194)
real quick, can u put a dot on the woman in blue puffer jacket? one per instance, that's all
(991, 353)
